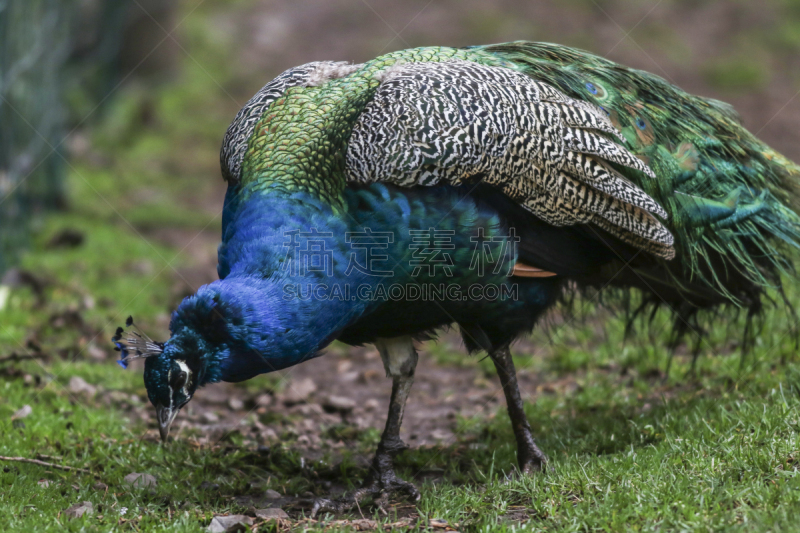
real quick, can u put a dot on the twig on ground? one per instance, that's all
(49, 457)
(51, 465)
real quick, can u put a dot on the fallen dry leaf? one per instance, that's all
(79, 509)
(229, 524)
(78, 385)
(271, 513)
(23, 412)
(364, 524)
(140, 480)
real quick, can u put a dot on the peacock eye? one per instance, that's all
(179, 380)
(640, 123)
(596, 90)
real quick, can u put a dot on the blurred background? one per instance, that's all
(112, 114)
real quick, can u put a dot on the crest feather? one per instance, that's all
(134, 344)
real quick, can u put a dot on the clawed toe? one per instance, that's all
(534, 467)
(396, 486)
(380, 493)
(325, 505)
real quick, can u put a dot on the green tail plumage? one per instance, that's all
(732, 201)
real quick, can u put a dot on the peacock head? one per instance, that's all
(175, 369)
(229, 329)
(171, 380)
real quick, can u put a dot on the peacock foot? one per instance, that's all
(532, 460)
(381, 484)
(529, 465)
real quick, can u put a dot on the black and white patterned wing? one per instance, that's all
(450, 122)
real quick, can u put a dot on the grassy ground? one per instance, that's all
(631, 447)
(630, 450)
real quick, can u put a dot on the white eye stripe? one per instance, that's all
(184, 367)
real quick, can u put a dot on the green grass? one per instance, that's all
(719, 454)
(101, 440)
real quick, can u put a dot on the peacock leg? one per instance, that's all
(530, 457)
(400, 360)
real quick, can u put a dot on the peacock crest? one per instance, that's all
(134, 344)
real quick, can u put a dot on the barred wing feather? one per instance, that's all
(451, 122)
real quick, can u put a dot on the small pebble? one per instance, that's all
(338, 404)
(349, 376)
(368, 375)
(209, 417)
(264, 400)
(440, 434)
(236, 404)
(269, 435)
(299, 391)
(307, 409)
(96, 353)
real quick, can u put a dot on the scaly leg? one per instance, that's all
(530, 457)
(400, 360)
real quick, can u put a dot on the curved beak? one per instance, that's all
(165, 417)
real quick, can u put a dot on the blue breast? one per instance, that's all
(398, 261)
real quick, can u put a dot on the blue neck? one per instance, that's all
(269, 270)
(265, 276)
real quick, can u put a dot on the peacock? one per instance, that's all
(380, 202)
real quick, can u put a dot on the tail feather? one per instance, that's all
(732, 202)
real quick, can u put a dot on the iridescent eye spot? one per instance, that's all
(640, 123)
(596, 90)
